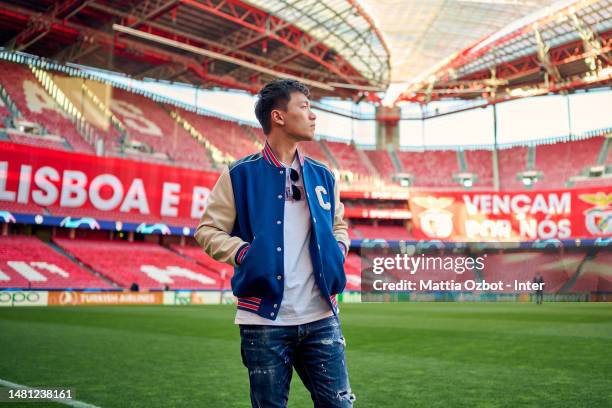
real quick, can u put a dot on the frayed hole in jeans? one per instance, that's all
(261, 371)
(329, 342)
(346, 395)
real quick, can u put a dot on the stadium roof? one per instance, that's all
(420, 33)
(562, 47)
(469, 49)
(332, 46)
(343, 26)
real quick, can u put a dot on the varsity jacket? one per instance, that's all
(243, 225)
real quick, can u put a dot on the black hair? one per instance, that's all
(276, 95)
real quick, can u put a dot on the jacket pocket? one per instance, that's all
(335, 277)
(254, 277)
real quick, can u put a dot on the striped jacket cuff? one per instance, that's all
(343, 248)
(334, 302)
(241, 253)
(250, 304)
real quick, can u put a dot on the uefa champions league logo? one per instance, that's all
(7, 217)
(598, 220)
(85, 222)
(153, 228)
(436, 222)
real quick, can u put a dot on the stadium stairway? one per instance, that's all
(204, 260)
(208, 161)
(214, 155)
(394, 159)
(478, 273)
(68, 255)
(248, 130)
(368, 163)
(531, 157)
(225, 138)
(603, 153)
(11, 111)
(81, 127)
(9, 103)
(28, 262)
(118, 135)
(328, 153)
(178, 253)
(381, 160)
(462, 164)
(574, 278)
(357, 233)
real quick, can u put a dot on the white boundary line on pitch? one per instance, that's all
(72, 403)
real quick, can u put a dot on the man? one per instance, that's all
(539, 281)
(277, 217)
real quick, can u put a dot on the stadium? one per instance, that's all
(458, 130)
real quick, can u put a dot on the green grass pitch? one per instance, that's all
(399, 355)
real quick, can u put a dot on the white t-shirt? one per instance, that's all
(302, 300)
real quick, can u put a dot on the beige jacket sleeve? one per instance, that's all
(217, 223)
(340, 225)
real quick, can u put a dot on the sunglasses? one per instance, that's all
(295, 176)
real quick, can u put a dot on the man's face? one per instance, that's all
(299, 120)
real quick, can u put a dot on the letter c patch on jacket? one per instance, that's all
(320, 190)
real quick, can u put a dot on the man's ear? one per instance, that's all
(277, 117)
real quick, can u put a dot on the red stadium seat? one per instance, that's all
(352, 267)
(149, 122)
(27, 262)
(4, 112)
(381, 161)
(594, 182)
(512, 161)
(556, 269)
(347, 157)
(198, 255)
(225, 135)
(353, 234)
(38, 106)
(430, 168)
(314, 150)
(257, 131)
(560, 161)
(437, 273)
(595, 275)
(386, 232)
(149, 265)
(36, 141)
(480, 162)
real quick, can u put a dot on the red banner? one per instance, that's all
(512, 216)
(52, 178)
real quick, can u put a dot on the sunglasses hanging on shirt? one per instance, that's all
(295, 191)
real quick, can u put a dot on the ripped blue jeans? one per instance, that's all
(315, 350)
